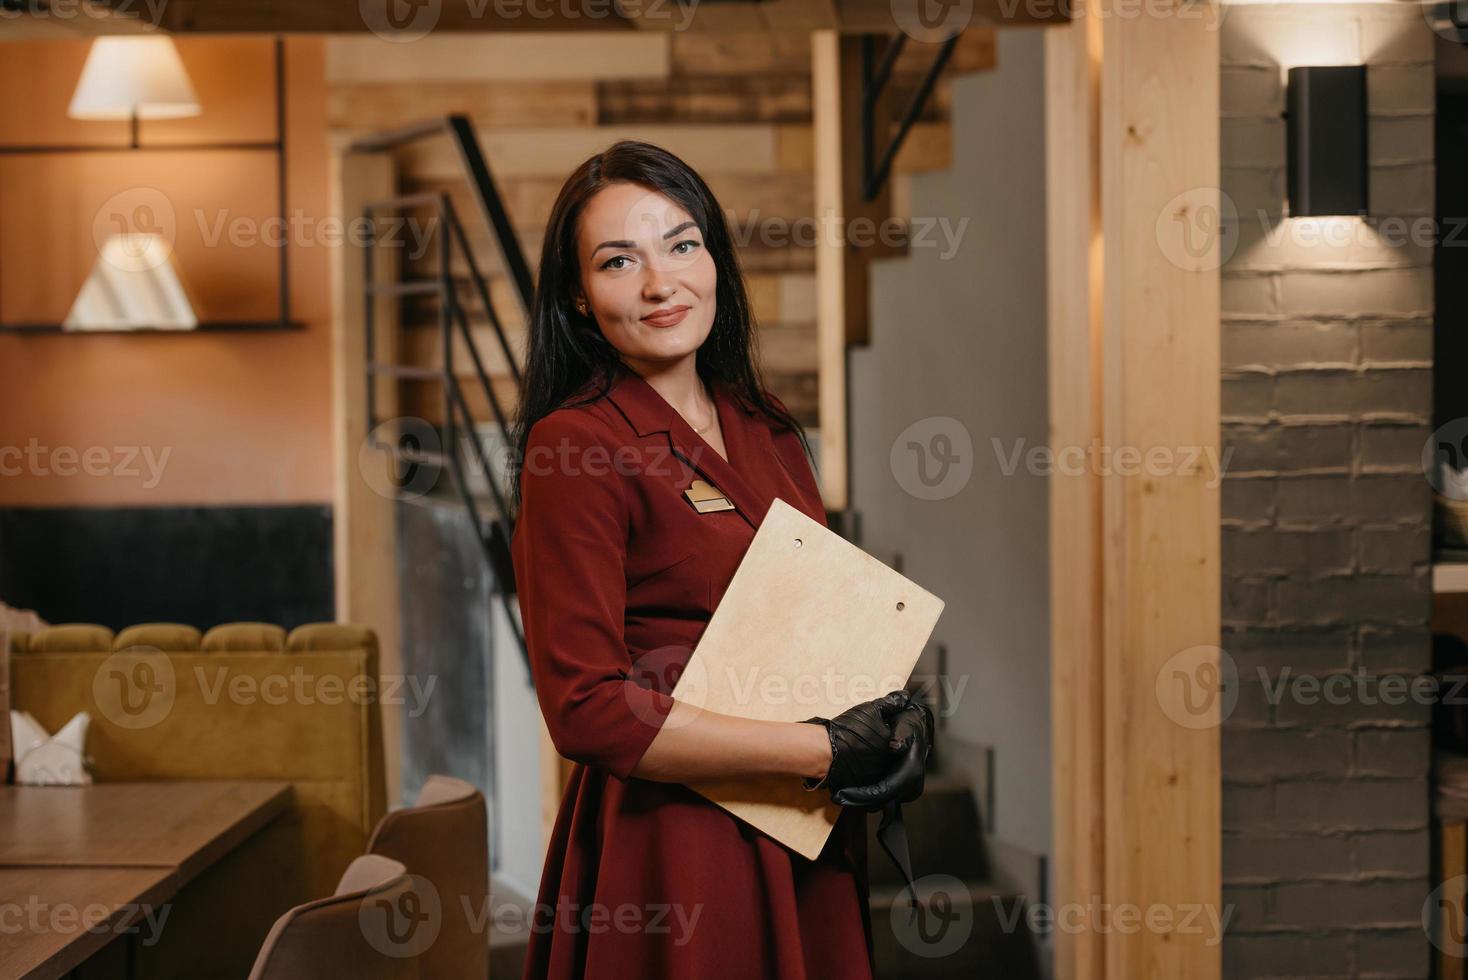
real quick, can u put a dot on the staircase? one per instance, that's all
(447, 307)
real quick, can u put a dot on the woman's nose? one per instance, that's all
(658, 286)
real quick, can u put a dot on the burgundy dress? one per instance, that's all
(618, 575)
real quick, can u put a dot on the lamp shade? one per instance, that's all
(127, 75)
(1325, 133)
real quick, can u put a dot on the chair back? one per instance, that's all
(443, 841)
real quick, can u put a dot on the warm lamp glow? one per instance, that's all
(133, 76)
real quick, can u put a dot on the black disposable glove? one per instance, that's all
(863, 750)
(902, 782)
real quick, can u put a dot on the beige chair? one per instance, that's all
(443, 841)
(370, 929)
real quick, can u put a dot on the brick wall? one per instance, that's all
(1327, 350)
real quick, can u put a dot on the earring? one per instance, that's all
(581, 307)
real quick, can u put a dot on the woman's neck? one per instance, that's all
(678, 382)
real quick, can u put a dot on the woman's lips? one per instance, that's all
(669, 317)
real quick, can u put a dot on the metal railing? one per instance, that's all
(493, 528)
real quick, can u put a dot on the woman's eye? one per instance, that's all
(616, 258)
(686, 241)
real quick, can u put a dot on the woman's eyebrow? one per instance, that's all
(623, 243)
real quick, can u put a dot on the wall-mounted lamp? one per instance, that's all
(1325, 138)
(133, 78)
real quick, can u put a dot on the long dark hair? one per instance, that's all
(567, 351)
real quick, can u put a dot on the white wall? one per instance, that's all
(962, 335)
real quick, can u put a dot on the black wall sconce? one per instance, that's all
(1325, 140)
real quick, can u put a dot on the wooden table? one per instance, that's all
(55, 917)
(127, 847)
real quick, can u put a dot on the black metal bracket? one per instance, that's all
(874, 81)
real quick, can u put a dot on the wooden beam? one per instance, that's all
(1132, 137)
(364, 518)
(827, 54)
(1073, 218)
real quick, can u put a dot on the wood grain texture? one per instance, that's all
(80, 910)
(179, 824)
(1132, 108)
(810, 625)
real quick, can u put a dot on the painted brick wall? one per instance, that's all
(1327, 351)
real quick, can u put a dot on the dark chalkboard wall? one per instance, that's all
(197, 565)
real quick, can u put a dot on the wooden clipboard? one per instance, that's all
(809, 626)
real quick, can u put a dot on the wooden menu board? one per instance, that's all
(809, 626)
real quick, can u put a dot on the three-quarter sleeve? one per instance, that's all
(570, 551)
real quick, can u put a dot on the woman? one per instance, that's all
(641, 380)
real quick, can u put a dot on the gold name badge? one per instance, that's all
(706, 498)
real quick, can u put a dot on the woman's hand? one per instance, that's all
(913, 740)
(865, 743)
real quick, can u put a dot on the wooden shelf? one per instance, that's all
(207, 326)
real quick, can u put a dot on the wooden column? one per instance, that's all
(1132, 136)
(364, 519)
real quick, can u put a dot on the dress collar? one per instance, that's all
(746, 439)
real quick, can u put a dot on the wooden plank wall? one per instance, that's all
(737, 107)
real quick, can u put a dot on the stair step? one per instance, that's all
(943, 835)
(965, 928)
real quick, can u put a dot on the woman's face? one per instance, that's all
(646, 275)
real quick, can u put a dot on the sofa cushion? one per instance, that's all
(168, 637)
(71, 638)
(231, 637)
